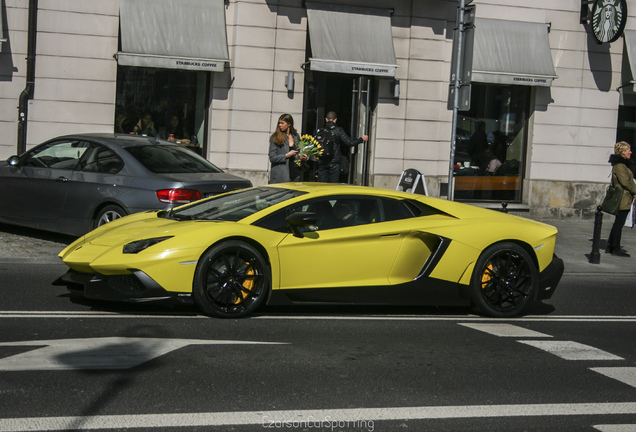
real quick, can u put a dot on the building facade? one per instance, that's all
(542, 102)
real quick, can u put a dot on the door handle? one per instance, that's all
(391, 235)
(61, 179)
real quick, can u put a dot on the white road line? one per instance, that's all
(616, 428)
(168, 315)
(505, 330)
(569, 350)
(326, 419)
(625, 375)
(98, 353)
(91, 314)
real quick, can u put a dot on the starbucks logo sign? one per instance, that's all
(608, 19)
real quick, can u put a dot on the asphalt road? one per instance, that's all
(69, 365)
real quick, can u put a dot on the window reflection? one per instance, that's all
(166, 103)
(491, 144)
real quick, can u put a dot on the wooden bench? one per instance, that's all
(487, 183)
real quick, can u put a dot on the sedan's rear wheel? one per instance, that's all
(108, 214)
(505, 280)
(231, 280)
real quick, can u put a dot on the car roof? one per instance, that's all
(453, 208)
(122, 140)
(316, 188)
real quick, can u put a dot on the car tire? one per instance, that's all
(108, 214)
(505, 280)
(232, 279)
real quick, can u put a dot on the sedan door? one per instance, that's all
(39, 185)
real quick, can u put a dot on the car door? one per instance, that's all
(352, 245)
(95, 181)
(39, 184)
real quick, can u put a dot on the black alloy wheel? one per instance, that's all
(108, 214)
(231, 280)
(504, 282)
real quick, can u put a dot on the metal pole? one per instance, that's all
(28, 92)
(595, 255)
(457, 85)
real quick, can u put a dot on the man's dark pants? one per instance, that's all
(329, 172)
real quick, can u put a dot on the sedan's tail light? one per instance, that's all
(178, 196)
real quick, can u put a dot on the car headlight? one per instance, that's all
(140, 245)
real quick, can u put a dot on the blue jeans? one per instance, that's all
(329, 172)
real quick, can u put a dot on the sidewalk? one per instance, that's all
(32, 246)
(574, 245)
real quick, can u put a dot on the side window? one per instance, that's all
(343, 211)
(395, 210)
(333, 212)
(276, 221)
(102, 160)
(58, 155)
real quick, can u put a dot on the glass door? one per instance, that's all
(350, 97)
(360, 156)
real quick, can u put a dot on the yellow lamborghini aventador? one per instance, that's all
(312, 242)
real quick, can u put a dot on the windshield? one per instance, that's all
(235, 206)
(166, 159)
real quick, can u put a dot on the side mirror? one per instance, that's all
(13, 160)
(300, 219)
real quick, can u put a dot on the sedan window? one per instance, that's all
(58, 155)
(171, 159)
(102, 160)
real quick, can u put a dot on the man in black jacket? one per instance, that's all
(329, 172)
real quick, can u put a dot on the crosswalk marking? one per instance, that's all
(569, 350)
(505, 330)
(625, 375)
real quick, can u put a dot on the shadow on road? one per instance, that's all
(30, 233)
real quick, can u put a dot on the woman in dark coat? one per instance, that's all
(623, 177)
(283, 148)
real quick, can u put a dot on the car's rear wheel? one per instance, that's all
(108, 214)
(231, 280)
(505, 280)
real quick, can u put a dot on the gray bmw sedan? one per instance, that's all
(75, 183)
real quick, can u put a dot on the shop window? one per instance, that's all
(626, 128)
(491, 144)
(161, 102)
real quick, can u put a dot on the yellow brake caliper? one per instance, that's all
(248, 284)
(486, 276)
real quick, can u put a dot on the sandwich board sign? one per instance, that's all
(412, 181)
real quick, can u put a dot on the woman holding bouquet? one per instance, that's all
(283, 150)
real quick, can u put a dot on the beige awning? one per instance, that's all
(512, 52)
(184, 34)
(347, 39)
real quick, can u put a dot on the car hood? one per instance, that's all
(111, 237)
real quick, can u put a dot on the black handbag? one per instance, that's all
(612, 200)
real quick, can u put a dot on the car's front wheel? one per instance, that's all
(505, 281)
(108, 214)
(231, 280)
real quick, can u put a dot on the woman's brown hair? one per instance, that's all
(278, 136)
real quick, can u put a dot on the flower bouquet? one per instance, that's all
(308, 146)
